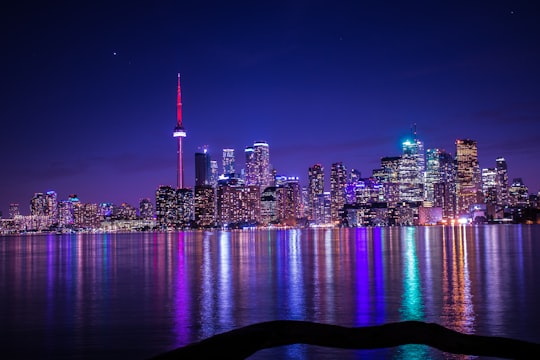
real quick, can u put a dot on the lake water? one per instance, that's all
(131, 296)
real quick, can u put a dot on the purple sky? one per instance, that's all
(89, 89)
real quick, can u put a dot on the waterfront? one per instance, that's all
(133, 295)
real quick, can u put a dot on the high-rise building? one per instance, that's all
(228, 162)
(338, 182)
(269, 205)
(290, 204)
(468, 177)
(14, 210)
(411, 171)
(166, 207)
(65, 213)
(214, 174)
(146, 209)
(202, 168)
(179, 133)
(205, 206)
(237, 203)
(250, 176)
(502, 182)
(38, 205)
(315, 189)
(518, 193)
(258, 165)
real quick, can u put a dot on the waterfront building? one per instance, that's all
(146, 209)
(269, 206)
(468, 178)
(315, 190)
(14, 210)
(86, 216)
(184, 208)
(205, 206)
(338, 182)
(489, 191)
(238, 204)
(518, 193)
(166, 207)
(65, 213)
(290, 204)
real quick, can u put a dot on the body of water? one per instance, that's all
(132, 296)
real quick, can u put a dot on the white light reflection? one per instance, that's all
(224, 281)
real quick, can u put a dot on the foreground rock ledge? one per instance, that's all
(244, 342)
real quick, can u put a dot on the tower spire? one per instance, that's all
(179, 133)
(179, 104)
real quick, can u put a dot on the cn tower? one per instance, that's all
(179, 133)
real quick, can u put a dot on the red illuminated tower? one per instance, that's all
(179, 133)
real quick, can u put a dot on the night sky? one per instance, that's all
(88, 102)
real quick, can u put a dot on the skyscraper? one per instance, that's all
(205, 206)
(202, 167)
(179, 133)
(228, 162)
(338, 181)
(411, 171)
(258, 165)
(315, 189)
(468, 177)
(501, 182)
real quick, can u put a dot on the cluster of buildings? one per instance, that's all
(415, 188)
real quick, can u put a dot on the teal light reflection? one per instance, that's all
(412, 304)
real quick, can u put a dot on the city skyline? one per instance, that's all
(341, 83)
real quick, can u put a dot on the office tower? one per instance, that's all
(123, 211)
(250, 169)
(106, 211)
(322, 208)
(86, 216)
(38, 205)
(228, 162)
(52, 205)
(338, 182)
(237, 203)
(14, 210)
(290, 204)
(65, 213)
(258, 165)
(315, 189)
(502, 182)
(444, 190)
(202, 167)
(489, 185)
(166, 207)
(179, 133)
(433, 175)
(205, 206)
(146, 209)
(269, 206)
(468, 178)
(184, 207)
(213, 173)
(489, 191)
(411, 170)
(518, 193)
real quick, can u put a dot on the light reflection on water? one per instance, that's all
(135, 295)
